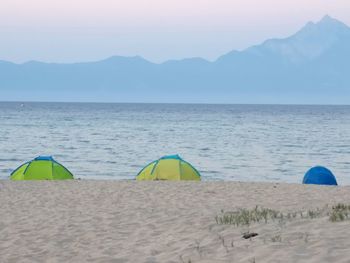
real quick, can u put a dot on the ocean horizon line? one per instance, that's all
(175, 103)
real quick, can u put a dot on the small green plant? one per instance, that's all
(314, 213)
(340, 212)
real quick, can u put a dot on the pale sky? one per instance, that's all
(85, 30)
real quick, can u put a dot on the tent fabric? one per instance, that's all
(41, 168)
(170, 167)
(44, 158)
(319, 175)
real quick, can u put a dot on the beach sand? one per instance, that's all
(128, 221)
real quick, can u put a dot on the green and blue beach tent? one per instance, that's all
(170, 167)
(41, 168)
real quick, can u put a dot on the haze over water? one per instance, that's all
(224, 142)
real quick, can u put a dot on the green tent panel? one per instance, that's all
(41, 168)
(171, 168)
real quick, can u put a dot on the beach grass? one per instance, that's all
(340, 212)
(246, 217)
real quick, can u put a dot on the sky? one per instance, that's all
(158, 30)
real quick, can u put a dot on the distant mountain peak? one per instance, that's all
(310, 24)
(327, 23)
(331, 23)
(309, 43)
(328, 19)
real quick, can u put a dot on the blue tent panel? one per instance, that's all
(319, 175)
(44, 158)
(175, 156)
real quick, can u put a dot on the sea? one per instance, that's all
(260, 143)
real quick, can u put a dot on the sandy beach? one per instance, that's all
(127, 221)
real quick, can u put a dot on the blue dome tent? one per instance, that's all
(319, 175)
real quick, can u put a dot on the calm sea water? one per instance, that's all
(224, 142)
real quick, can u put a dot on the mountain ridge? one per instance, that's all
(313, 62)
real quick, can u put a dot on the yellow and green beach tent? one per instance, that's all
(170, 167)
(41, 168)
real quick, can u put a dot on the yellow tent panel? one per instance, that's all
(171, 168)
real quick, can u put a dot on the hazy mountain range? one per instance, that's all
(311, 66)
